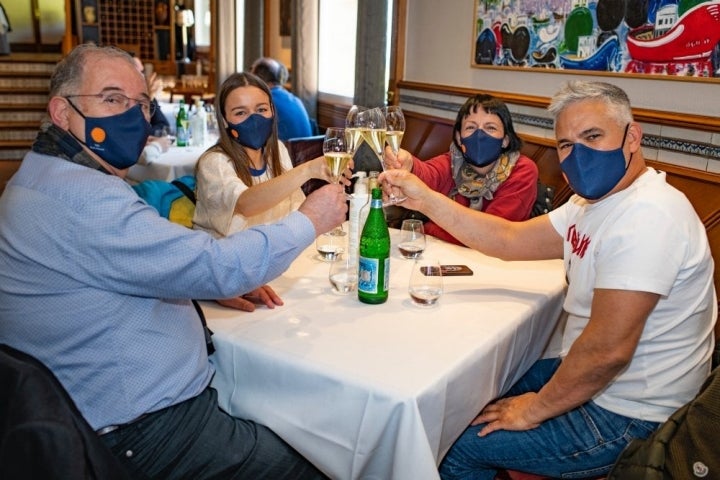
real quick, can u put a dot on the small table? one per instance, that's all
(174, 163)
(382, 391)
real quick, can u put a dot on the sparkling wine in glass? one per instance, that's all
(353, 127)
(395, 129)
(337, 152)
(426, 284)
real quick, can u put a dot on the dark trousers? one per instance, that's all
(197, 440)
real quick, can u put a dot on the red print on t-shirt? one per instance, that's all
(578, 241)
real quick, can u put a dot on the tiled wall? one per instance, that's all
(690, 148)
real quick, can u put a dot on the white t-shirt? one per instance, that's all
(219, 187)
(645, 238)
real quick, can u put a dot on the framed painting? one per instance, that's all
(655, 37)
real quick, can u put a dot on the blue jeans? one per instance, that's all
(584, 442)
(196, 440)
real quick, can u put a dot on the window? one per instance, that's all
(336, 59)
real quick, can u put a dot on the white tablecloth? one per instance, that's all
(382, 391)
(174, 163)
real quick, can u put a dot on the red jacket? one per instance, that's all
(513, 199)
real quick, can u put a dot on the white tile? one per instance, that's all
(650, 153)
(713, 166)
(683, 160)
(715, 139)
(650, 129)
(685, 134)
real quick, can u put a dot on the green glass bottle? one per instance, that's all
(182, 133)
(374, 258)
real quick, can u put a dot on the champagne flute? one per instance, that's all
(395, 125)
(336, 149)
(352, 126)
(373, 130)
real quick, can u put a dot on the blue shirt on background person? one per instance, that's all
(293, 119)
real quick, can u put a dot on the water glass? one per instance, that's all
(344, 274)
(426, 283)
(331, 245)
(412, 239)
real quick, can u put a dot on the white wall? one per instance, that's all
(439, 49)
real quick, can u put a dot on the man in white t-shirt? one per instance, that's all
(641, 302)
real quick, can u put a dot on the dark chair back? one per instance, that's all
(303, 149)
(42, 433)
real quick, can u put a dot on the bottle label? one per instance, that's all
(369, 273)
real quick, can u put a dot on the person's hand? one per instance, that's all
(402, 183)
(319, 169)
(512, 413)
(402, 159)
(264, 295)
(326, 207)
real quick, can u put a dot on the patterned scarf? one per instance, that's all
(54, 141)
(476, 186)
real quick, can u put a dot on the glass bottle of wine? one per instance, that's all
(374, 259)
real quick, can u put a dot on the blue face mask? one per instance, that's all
(593, 173)
(117, 139)
(253, 132)
(481, 149)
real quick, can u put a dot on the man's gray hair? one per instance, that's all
(580, 90)
(68, 75)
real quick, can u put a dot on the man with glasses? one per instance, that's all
(95, 284)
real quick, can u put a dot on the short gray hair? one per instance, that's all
(68, 75)
(614, 97)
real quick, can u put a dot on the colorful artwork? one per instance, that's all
(660, 37)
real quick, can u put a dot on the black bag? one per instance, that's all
(686, 446)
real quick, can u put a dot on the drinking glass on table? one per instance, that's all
(412, 239)
(426, 282)
(344, 274)
(331, 245)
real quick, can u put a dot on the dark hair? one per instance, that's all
(232, 148)
(494, 106)
(270, 70)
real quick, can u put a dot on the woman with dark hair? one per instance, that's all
(484, 169)
(248, 178)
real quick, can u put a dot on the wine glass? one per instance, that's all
(426, 284)
(395, 126)
(352, 126)
(373, 130)
(336, 149)
(412, 239)
(331, 245)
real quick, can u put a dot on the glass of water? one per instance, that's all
(331, 245)
(426, 282)
(412, 239)
(344, 274)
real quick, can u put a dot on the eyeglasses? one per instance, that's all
(119, 103)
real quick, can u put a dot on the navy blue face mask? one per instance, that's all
(253, 132)
(117, 139)
(481, 149)
(593, 173)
